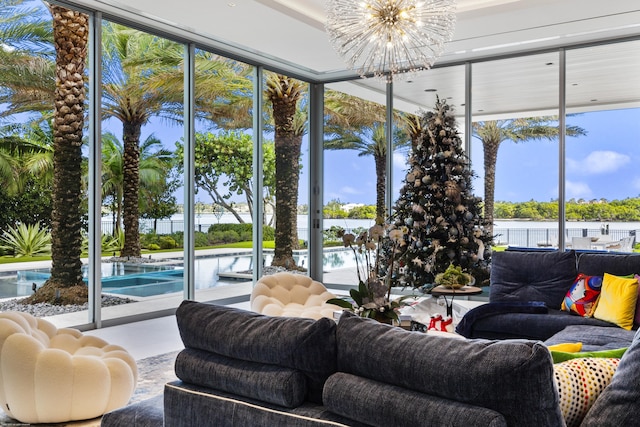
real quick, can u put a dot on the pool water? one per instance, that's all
(145, 280)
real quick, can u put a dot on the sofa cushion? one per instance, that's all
(532, 276)
(617, 303)
(579, 383)
(380, 404)
(268, 383)
(514, 378)
(593, 337)
(616, 264)
(619, 403)
(304, 344)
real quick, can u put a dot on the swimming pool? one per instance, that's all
(152, 279)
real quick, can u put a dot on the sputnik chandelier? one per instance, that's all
(384, 38)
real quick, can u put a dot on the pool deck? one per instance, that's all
(150, 307)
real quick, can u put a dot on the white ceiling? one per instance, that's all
(288, 35)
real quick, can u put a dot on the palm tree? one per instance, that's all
(26, 151)
(356, 124)
(492, 133)
(284, 93)
(70, 31)
(128, 97)
(371, 141)
(27, 60)
(42, 64)
(155, 161)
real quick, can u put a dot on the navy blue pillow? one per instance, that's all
(532, 276)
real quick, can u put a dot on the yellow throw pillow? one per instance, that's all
(567, 347)
(617, 302)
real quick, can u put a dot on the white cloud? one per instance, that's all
(356, 166)
(578, 190)
(400, 161)
(598, 162)
(349, 190)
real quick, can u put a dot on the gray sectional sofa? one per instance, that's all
(527, 289)
(240, 368)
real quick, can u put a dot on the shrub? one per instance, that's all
(268, 233)
(27, 240)
(243, 232)
(201, 239)
(167, 242)
(153, 247)
(178, 236)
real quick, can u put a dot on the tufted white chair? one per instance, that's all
(293, 295)
(50, 375)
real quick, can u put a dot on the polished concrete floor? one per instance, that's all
(148, 337)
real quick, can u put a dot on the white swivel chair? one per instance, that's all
(293, 295)
(50, 375)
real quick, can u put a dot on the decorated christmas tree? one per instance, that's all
(443, 219)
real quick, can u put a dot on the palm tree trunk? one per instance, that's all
(71, 36)
(131, 188)
(490, 159)
(287, 152)
(286, 233)
(381, 183)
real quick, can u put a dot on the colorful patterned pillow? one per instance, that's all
(582, 297)
(579, 383)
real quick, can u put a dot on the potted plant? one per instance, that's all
(372, 297)
(454, 278)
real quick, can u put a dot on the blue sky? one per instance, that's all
(601, 164)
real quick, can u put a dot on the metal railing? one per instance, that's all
(523, 237)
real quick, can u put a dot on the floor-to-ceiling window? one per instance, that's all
(142, 197)
(44, 209)
(515, 150)
(224, 195)
(602, 182)
(355, 147)
(526, 183)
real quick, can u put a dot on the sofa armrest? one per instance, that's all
(465, 327)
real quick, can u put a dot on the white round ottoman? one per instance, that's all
(50, 375)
